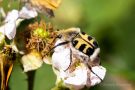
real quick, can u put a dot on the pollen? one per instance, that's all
(42, 37)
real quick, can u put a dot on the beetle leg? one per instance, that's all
(62, 43)
(93, 71)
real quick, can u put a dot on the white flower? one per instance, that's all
(13, 19)
(81, 75)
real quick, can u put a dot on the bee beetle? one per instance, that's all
(82, 44)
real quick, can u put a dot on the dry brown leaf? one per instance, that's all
(51, 4)
(45, 6)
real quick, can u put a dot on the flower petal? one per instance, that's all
(12, 16)
(60, 47)
(26, 13)
(78, 80)
(100, 71)
(75, 80)
(61, 60)
(61, 57)
(47, 60)
(31, 61)
(9, 29)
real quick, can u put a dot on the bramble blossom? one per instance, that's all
(74, 75)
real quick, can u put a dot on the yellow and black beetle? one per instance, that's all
(81, 42)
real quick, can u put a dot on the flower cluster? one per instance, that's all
(45, 44)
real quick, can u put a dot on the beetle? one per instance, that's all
(81, 42)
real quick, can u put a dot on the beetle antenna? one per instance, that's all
(62, 43)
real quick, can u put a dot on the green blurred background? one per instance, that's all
(111, 22)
